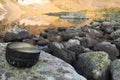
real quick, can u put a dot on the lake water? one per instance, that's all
(32, 13)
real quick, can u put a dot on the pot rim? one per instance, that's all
(32, 46)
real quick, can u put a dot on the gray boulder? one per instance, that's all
(93, 65)
(78, 50)
(63, 54)
(117, 43)
(95, 23)
(16, 34)
(70, 33)
(111, 49)
(88, 42)
(58, 45)
(94, 33)
(115, 70)
(47, 68)
(115, 34)
(72, 42)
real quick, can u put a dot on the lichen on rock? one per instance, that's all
(93, 65)
(47, 68)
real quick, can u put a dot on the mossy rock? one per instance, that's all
(93, 65)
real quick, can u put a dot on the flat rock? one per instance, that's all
(47, 68)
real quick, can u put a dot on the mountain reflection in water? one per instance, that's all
(34, 15)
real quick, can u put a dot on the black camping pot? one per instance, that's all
(21, 54)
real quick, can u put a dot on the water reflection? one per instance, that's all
(76, 21)
(71, 17)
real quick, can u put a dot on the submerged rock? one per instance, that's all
(93, 65)
(47, 68)
(115, 70)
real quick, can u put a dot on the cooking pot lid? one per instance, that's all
(24, 47)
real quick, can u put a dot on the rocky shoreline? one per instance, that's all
(93, 50)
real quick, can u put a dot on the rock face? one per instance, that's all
(47, 68)
(93, 65)
(115, 70)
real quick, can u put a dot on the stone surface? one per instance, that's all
(111, 49)
(78, 50)
(63, 54)
(88, 42)
(16, 34)
(47, 68)
(115, 70)
(115, 34)
(117, 43)
(72, 42)
(93, 65)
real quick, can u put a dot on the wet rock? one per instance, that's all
(115, 70)
(63, 54)
(111, 49)
(72, 42)
(47, 68)
(93, 65)
(115, 34)
(88, 42)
